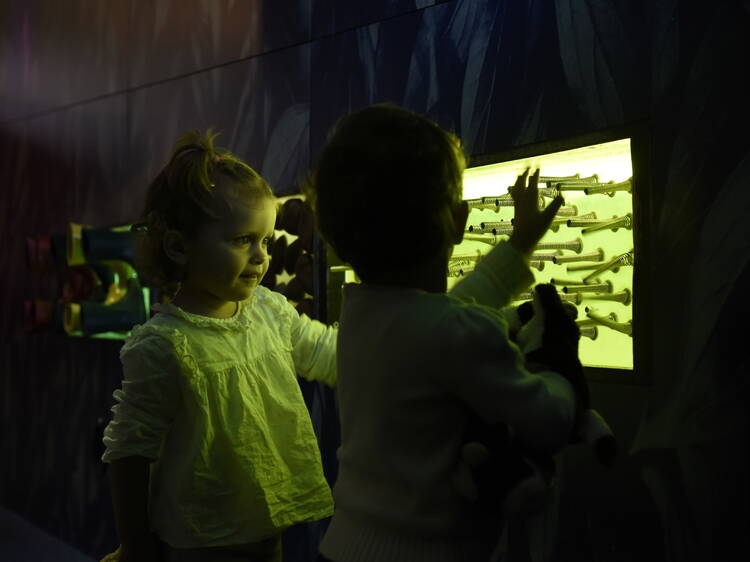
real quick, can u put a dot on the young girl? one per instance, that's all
(211, 446)
(416, 365)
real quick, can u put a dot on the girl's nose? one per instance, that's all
(258, 254)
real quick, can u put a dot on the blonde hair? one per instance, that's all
(181, 197)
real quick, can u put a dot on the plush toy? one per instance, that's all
(548, 335)
(508, 480)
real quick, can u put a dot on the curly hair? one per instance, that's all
(386, 173)
(181, 197)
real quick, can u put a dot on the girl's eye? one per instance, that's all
(242, 240)
(266, 241)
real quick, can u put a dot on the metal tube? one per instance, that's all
(478, 229)
(588, 218)
(573, 298)
(623, 297)
(489, 225)
(575, 245)
(598, 255)
(474, 256)
(486, 238)
(613, 264)
(623, 327)
(545, 257)
(605, 287)
(461, 263)
(563, 282)
(611, 188)
(578, 179)
(625, 221)
(591, 322)
(496, 201)
(591, 332)
(482, 203)
(585, 266)
(502, 230)
(557, 179)
(583, 220)
(461, 270)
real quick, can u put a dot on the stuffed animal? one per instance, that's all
(508, 480)
(548, 335)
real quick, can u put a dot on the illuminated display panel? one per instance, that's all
(605, 341)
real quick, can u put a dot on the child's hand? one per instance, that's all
(530, 223)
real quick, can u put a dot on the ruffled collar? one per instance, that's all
(240, 320)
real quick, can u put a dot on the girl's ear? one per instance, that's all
(460, 213)
(175, 246)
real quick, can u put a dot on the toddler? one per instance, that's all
(415, 364)
(211, 447)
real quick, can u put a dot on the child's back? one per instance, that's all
(410, 380)
(415, 365)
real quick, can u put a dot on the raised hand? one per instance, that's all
(530, 223)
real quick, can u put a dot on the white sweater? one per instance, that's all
(412, 367)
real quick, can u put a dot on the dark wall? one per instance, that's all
(93, 95)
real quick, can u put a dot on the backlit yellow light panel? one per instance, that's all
(588, 254)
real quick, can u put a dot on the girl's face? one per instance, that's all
(228, 257)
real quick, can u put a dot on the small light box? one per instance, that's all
(589, 252)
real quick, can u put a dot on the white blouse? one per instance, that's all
(216, 404)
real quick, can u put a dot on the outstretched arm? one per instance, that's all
(504, 272)
(314, 349)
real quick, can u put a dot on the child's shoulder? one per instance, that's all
(266, 300)
(264, 294)
(158, 334)
(439, 315)
(472, 320)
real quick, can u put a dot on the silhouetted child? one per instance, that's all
(417, 365)
(211, 447)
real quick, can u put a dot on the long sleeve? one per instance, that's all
(314, 349)
(498, 277)
(147, 402)
(539, 407)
